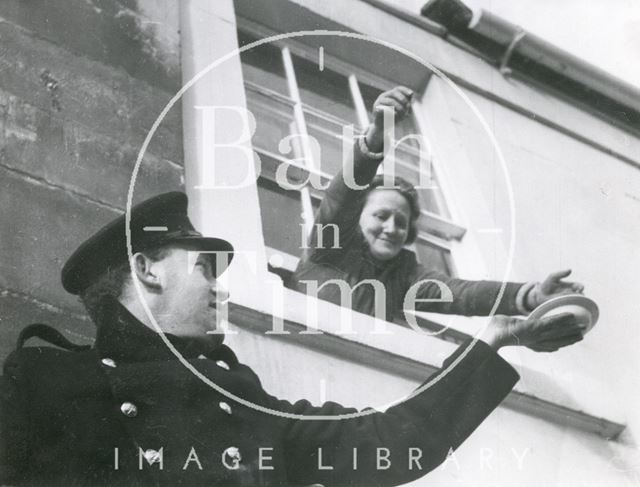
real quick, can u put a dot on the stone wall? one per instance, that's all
(81, 83)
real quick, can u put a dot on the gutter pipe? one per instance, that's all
(518, 52)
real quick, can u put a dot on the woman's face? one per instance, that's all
(384, 222)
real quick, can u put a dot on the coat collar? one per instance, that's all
(383, 267)
(122, 337)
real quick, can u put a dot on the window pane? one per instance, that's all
(429, 198)
(328, 133)
(324, 90)
(369, 95)
(262, 65)
(266, 91)
(433, 257)
(280, 210)
(274, 116)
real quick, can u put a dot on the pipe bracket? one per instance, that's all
(505, 70)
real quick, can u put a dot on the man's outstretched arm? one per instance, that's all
(414, 437)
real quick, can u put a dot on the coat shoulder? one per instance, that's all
(51, 371)
(44, 357)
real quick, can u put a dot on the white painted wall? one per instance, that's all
(575, 207)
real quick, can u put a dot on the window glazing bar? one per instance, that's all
(358, 102)
(301, 130)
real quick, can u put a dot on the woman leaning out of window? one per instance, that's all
(359, 238)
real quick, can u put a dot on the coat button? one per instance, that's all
(152, 456)
(108, 362)
(225, 407)
(129, 409)
(222, 364)
(231, 458)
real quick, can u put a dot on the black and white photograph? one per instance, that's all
(317, 243)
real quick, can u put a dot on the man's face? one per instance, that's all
(384, 222)
(190, 296)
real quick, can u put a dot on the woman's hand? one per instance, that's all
(541, 335)
(396, 101)
(553, 286)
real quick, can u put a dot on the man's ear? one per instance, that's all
(146, 271)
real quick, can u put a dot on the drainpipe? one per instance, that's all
(519, 53)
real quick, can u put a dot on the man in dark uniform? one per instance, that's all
(132, 410)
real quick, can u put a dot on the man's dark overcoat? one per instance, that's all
(128, 412)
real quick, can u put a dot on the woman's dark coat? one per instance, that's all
(351, 262)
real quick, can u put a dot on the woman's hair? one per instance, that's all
(406, 189)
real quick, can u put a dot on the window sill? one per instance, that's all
(431, 223)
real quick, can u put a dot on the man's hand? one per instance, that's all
(396, 101)
(552, 287)
(541, 335)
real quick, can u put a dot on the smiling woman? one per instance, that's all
(356, 255)
(388, 218)
(385, 223)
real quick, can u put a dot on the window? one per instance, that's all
(288, 94)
